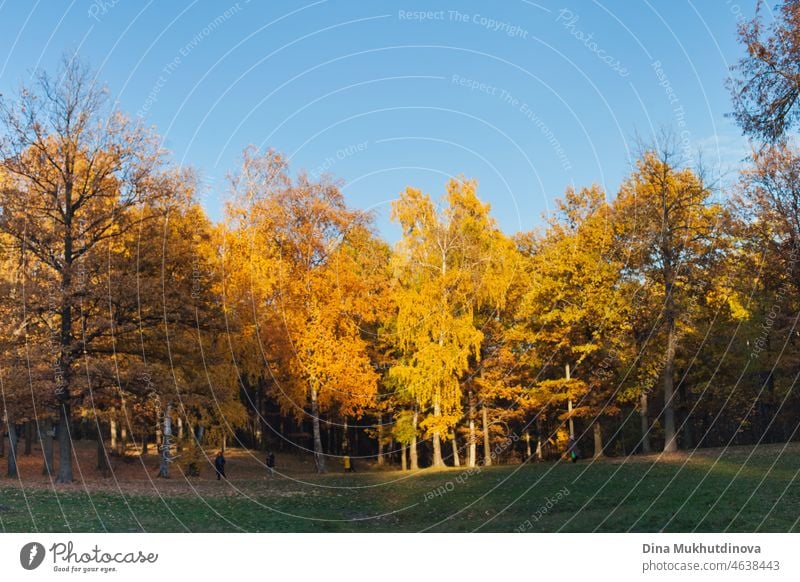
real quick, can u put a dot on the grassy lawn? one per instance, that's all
(741, 489)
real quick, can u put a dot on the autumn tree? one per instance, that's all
(668, 223)
(767, 277)
(404, 431)
(318, 293)
(449, 262)
(172, 360)
(76, 170)
(573, 319)
(766, 83)
(492, 387)
(21, 372)
(769, 191)
(765, 88)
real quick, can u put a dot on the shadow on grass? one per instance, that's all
(711, 491)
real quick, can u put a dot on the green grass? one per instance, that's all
(710, 491)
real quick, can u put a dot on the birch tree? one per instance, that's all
(451, 260)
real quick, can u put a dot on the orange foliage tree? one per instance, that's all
(307, 276)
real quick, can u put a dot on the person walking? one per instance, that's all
(270, 463)
(219, 465)
(572, 449)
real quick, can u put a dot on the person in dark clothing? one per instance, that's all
(572, 449)
(219, 465)
(270, 463)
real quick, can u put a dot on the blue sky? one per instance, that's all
(527, 97)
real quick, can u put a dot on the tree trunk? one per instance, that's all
(265, 429)
(200, 432)
(12, 450)
(569, 410)
(345, 445)
(179, 446)
(29, 437)
(413, 451)
(688, 440)
(527, 445)
(163, 469)
(473, 445)
(380, 440)
(598, 439)
(255, 421)
(319, 458)
(46, 438)
(644, 423)
(539, 450)
(123, 439)
(487, 453)
(670, 438)
(403, 458)
(456, 459)
(112, 428)
(102, 455)
(437, 440)
(64, 444)
(2, 441)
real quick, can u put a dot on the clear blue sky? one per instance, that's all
(514, 93)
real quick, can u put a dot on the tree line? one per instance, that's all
(659, 317)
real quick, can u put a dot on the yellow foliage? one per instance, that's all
(450, 261)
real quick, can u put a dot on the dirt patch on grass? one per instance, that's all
(137, 474)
